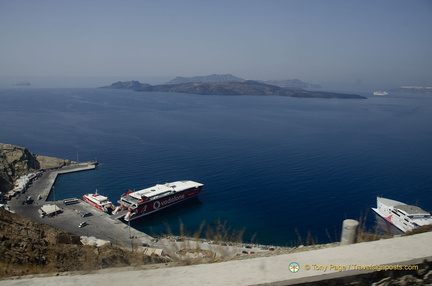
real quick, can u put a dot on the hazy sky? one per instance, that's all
(387, 41)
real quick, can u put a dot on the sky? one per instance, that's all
(379, 41)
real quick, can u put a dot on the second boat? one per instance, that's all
(150, 200)
(404, 217)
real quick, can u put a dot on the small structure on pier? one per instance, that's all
(49, 210)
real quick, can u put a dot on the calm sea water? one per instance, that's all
(279, 167)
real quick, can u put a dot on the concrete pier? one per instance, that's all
(48, 180)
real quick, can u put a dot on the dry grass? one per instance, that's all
(421, 229)
(213, 242)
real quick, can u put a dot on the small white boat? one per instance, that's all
(404, 217)
(100, 202)
(380, 93)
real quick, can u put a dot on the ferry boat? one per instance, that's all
(100, 202)
(380, 93)
(150, 200)
(404, 217)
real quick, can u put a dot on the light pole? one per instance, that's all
(130, 236)
(77, 153)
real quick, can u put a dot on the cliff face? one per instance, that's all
(16, 161)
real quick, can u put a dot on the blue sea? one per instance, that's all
(279, 168)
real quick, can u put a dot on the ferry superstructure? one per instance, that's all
(404, 217)
(150, 200)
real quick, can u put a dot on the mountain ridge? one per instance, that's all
(206, 78)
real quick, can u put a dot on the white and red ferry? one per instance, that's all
(100, 202)
(404, 217)
(150, 200)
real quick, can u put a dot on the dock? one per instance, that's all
(48, 180)
(100, 225)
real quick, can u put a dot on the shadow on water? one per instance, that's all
(383, 227)
(156, 224)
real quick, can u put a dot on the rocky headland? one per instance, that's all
(16, 161)
(231, 87)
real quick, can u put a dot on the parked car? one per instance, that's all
(83, 224)
(86, 214)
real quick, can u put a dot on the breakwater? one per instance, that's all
(48, 181)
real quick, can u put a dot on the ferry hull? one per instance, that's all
(154, 206)
(387, 218)
(404, 217)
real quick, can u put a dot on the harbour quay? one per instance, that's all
(98, 224)
(83, 219)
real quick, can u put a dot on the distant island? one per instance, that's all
(413, 89)
(227, 87)
(22, 83)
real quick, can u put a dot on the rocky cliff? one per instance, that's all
(16, 161)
